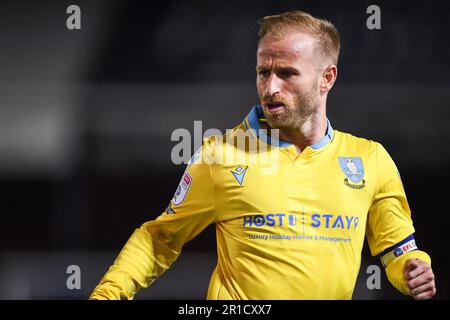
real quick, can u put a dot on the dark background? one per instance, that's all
(86, 118)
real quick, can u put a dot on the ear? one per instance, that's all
(329, 75)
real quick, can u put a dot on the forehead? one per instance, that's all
(292, 47)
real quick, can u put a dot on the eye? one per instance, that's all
(287, 73)
(264, 73)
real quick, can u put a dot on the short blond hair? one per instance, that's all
(324, 31)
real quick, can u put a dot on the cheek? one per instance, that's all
(307, 86)
(295, 88)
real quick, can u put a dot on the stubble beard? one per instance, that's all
(294, 116)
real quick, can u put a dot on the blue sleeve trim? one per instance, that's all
(404, 246)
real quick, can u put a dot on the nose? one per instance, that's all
(273, 85)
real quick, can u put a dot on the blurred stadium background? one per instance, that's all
(86, 118)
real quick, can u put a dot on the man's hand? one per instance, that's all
(419, 279)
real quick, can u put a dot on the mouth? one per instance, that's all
(275, 107)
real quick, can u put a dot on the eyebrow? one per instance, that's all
(260, 68)
(279, 68)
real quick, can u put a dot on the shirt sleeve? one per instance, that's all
(153, 247)
(389, 223)
(389, 220)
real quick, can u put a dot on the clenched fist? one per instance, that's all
(419, 279)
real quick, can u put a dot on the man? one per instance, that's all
(295, 232)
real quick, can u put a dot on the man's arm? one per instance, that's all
(412, 275)
(156, 244)
(390, 234)
(141, 260)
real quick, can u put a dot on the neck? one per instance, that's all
(308, 133)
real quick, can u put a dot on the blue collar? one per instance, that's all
(251, 122)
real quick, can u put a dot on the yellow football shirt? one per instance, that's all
(288, 225)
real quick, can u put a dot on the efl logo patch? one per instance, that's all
(409, 245)
(182, 189)
(353, 169)
(397, 252)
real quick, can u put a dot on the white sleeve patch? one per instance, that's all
(408, 246)
(183, 189)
